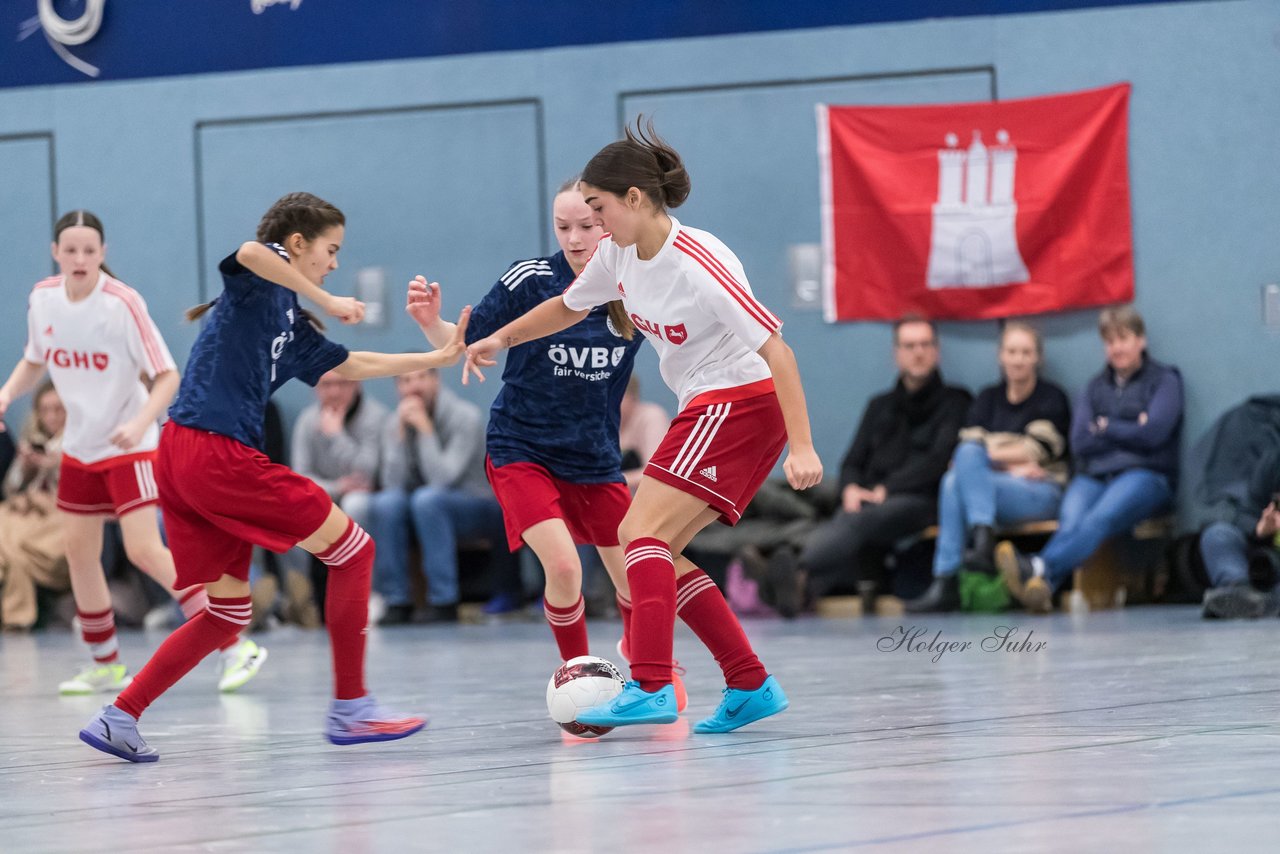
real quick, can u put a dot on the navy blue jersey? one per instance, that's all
(559, 403)
(254, 340)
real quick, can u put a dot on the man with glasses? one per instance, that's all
(890, 475)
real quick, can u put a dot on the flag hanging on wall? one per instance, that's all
(975, 211)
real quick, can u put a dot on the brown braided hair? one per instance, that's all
(294, 213)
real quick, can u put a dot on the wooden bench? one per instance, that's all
(1099, 584)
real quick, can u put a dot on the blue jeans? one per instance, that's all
(440, 517)
(1094, 510)
(1225, 550)
(973, 493)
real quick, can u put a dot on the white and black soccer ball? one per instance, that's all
(578, 684)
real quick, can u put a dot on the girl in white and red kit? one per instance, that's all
(741, 402)
(93, 335)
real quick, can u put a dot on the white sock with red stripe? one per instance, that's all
(98, 629)
(184, 649)
(569, 625)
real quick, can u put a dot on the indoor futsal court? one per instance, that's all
(1147, 729)
(968, 312)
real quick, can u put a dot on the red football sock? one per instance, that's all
(569, 625)
(701, 605)
(652, 578)
(99, 631)
(192, 601)
(624, 608)
(184, 649)
(346, 607)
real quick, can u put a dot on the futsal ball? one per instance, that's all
(579, 684)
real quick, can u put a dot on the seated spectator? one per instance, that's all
(1009, 467)
(1124, 439)
(889, 477)
(7, 452)
(640, 431)
(32, 551)
(335, 443)
(1241, 556)
(433, 479)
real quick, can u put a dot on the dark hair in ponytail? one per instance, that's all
(81, 218)
(294, 213)
(641, 160)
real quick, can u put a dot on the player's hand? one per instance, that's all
(803, 468)
(450, 353)
(127, 436)
(481, 354)
(5, 400)
(347, 309)
(424, 302)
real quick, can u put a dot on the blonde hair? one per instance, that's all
(1022, 326)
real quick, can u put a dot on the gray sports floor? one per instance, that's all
(1145, 729)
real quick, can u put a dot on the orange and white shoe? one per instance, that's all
(682, 695)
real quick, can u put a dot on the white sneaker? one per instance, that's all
(240, 663)
(97, 678)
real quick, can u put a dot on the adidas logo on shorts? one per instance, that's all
(709, 473)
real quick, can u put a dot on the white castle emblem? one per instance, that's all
(974, 243)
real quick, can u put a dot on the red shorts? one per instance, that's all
(111, 487)
(530, 494)
(721, 450)
(220, 498)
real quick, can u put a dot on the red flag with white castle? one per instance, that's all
(974, 211)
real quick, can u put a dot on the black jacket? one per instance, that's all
(905, 440)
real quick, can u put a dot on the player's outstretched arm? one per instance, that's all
(547, 319)
(802, 466)
(21, 380)
(363, 365)
(263, 261)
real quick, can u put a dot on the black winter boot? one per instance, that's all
(979, 557)
(943, 595)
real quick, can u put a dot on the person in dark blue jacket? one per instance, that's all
(1241, 555)
(1124, 440)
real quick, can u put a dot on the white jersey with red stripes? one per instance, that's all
(96, 349)
(692, 301)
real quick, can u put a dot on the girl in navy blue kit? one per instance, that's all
(221, 496)
(553, 456)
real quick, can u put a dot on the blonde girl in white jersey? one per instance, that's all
(741, 402)
(93, 334)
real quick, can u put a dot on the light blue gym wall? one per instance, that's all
(445, 166)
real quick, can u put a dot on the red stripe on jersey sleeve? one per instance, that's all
(710, 256)
(131, 301)
(757, 311)
(51, 282)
